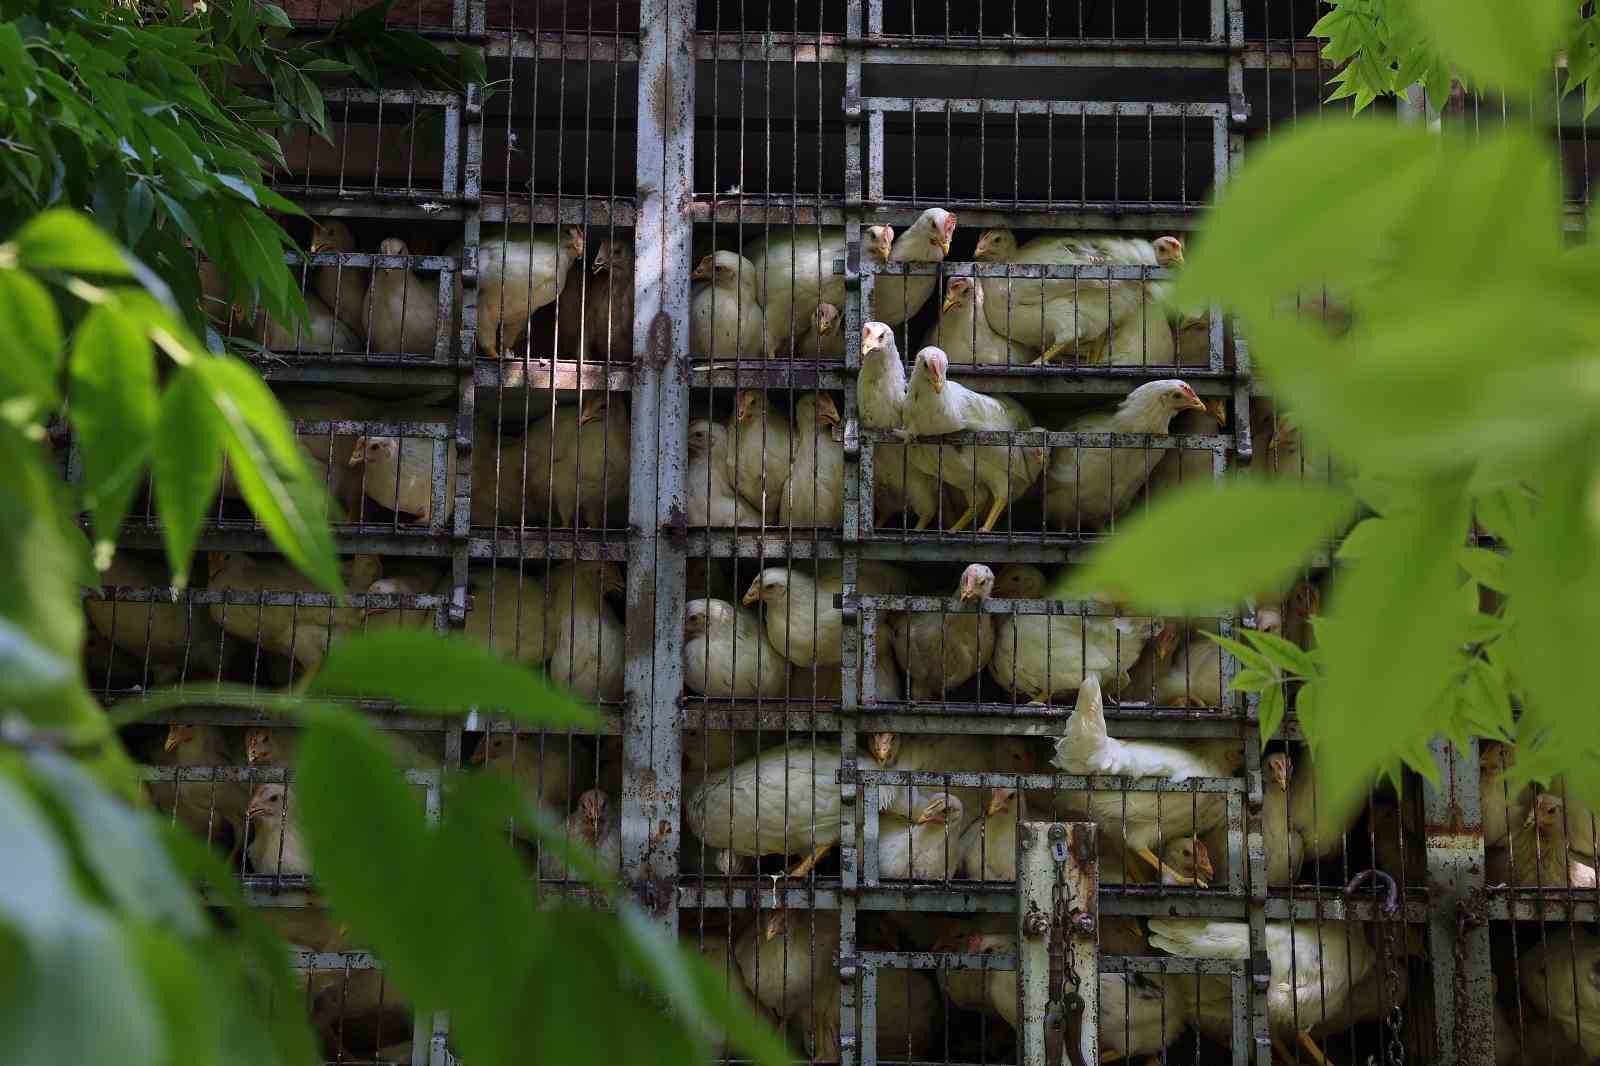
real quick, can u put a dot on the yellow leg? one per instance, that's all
(1168, 873)
(965, 520)
(1280, 1052)
(1054, 350)
(1311, 1047)
(1110, 1056)
(994, 514)
(1150, 857)
(1040, 697)
(810, 861)
(924, 522)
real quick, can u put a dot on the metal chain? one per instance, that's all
(1388, 920)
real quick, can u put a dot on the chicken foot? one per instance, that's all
(1306, 1041)
(806, 864)
(994, 514)
(966, 519)
(1049, 354)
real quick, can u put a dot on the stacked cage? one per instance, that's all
(620, 361)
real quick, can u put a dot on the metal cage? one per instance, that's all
(447, 399)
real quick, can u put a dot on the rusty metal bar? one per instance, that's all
(1458, 928)
(652, 746)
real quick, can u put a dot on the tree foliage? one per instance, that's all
(1460, 403)
(128, 150)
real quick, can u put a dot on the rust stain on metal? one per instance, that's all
(658, 340)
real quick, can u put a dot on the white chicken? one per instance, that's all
(1042, 656)
(321, 332)
(1142, 820)
(578, 464)
(212, 810)
(1085, 488)
(541, 765)
(987, 850)
(595, 825)
(1184, 861)
(802, 624)
(982, 473)
(808, 684)
(1503, 807)
(762, 451)
(794, 272)
(1186, 667)
(608, 304)
(1283, 840)
(341, 288)
(824, 340)
(1308, 814)
(710, 499)
(814, 494)
(401, 312)
(941, 652)
(517, 276)
(501, 470)
(897, 485)
(374, 616)
(303, 633)
(1538, 853)
(726, 320)
(508, 613)
(726, 655)
(785, 958)
(277, 845)
(963, 332)
(927, 240)
(1315, 966)
(782, 802)
(1059, 314)
(1561, 980)
(948, 753)
(170, 642)
(926, 846)
(1187, 466)
(398, 474)
(906, 1009)
(267, 746)
(585, 634)
(1142, 337)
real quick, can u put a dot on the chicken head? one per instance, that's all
(959, 292)
(996, 246)
(1280, 768)
(592, 806)
(935, 365)
(268, 800)
(1169, 251)
(977, 584)
(825, 319)
(880, 241)
(884, 748)
(875, 336)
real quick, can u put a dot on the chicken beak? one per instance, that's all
(702, 269)
(949, 302)
(1219, 411)
(998, 802)
(255, 809)
(752, 595)
(1203, 866)
(359, 454)
(1196, 404)
(869, 341)
(824, 327)
(588, 414)
(601, 264)
(775, 924)
(480, 754)
(171, 743)
(937, 381)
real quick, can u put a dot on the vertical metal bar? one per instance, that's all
(651, 745)
(1458, 936)
(1056, 862)
(1255, 843)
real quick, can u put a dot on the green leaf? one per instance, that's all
(1271, 710)
(273, 15)
(113, 412)
(1485, 567)
(30, 673)
(444, 674)
(61, 239)
(1389, 644)
(1312, 202)
(188, 465)
(74, 992)
(123, 848)
(1235, 538)
(271, 469)
(1508, 46)
(1289, 656)
(32, 334)
(1253, 681)
(1358, 540)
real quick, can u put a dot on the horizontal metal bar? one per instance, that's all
(349, 539)
(896, 545)
(387, 715)
(608, 723)
(559, 374)
(1128, 108)
(562, 544)
(1023, 438)
(600, 46)
(301, 959)
(719, 893)
(1116, 381)
(415, 371)
(1134, 216)
(420, 97)
(1547, 905)
(602, 211)
(951, 605)
(355, 600)
(1058, 782)
(1170, 964)
(999, 719)
(958, 50)
(1017, 271)
(253, 774)
(937, 960)
(372, 259)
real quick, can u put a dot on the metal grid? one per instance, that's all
(664, 135)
